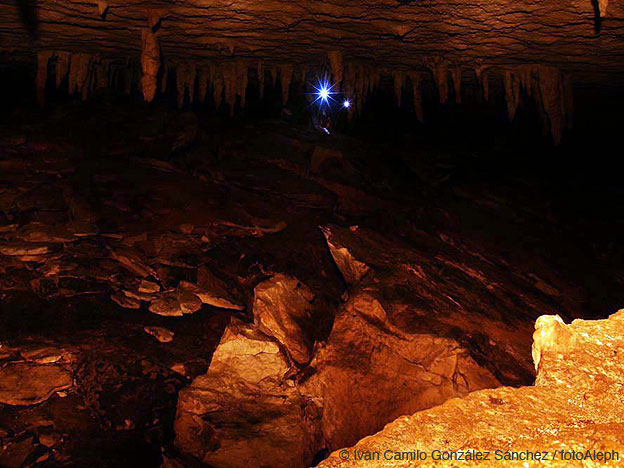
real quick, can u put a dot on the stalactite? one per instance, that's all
(62, 67)
(482, 74)
(375, 78)
(512, 93)
(602, 7)
(260, 73)
(439, 70)
(416, 79)
(242, 79)
(360, 80)
(150, 63)
(399, 79)
(203, 78)
(350, 80)
(101, 75)
(273, 71)
(102, 8)
(524, 73)
(456, 77)
(568, 99)
(550, 89)
(337, 67)
(78, 74)
(228, 71)
(128, 76)
(552, 96)
(43, 58)
(163, 79)
(185, 82)
(365, 80)
(286, 72)
(218, 88)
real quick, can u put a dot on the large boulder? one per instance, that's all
(246, 410)
(282, 308)
(373, 369)
(574, 414)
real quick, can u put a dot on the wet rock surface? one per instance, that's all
(576, 404)
(129, 256)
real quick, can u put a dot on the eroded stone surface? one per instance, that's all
(29, 383)
(245, 408)
(282, 309)
(371, 371)
(576, 404)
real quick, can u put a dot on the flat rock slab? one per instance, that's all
(28, 383)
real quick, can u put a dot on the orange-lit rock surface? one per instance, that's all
(400, 343)
(246, 409)
(28, 377)
(282, 309)
(576, 404)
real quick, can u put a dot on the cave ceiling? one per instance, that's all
(584, 38)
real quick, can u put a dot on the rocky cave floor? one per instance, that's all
(116, 220)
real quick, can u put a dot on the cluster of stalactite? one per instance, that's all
(549, 88)
(227, 81)
(85, 73)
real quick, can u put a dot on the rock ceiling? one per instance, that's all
(583, 37)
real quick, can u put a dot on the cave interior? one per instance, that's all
(252, 234)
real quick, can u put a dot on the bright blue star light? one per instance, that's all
(346, 104)
(323, 92)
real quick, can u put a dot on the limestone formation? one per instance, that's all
(42, 74)
(574, 406)
(185, 82)
(62, 66)
(399, 80)
(337, 66)
(416, 79)
(246, 408)
(549, 88)
(371, 370)
(203, 82)
(502, 33)
(439, 70)
(150, 63)
(79, 68)
(282, 309)
(260, 74)
(456, 76)
(102, 8)
(512, 93)
(483, 77)
(286, 74)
